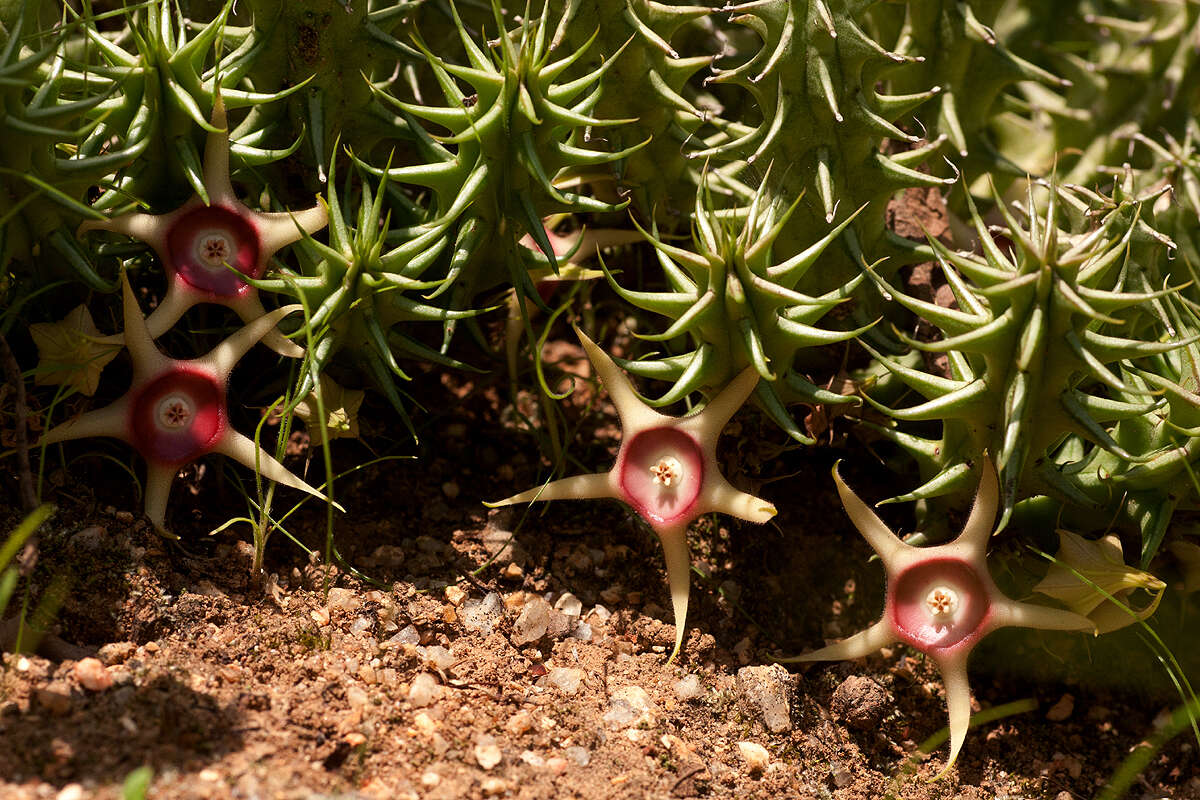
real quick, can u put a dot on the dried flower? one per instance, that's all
(70, 352)
(1101, 563)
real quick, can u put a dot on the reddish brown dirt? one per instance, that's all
(228, 688)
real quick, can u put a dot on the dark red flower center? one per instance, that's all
(661, 472)
(938, 604)
(178, 416)
(205, 242)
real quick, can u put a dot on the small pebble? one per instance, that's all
(116, 652)
(755, 755)
(72, 791)
(481, 616)
(569, 604)
(342, 600)
(55, 697)
(631, 707)
(93, 675)
(487, 753)
(566, 679)
(512, 572)
(532, 623)
(519, 723)
(1062, 709)
(579, 755)
(455, 596)
(430, 779)
(557, 765)
(688, 687)
(425, 689)
(361, 624)
(764, 691)
(533, 759)
(451, 489)
(493, 786)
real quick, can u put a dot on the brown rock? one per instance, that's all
(861, 702)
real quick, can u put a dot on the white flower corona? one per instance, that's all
(942, 602)
(667, 471)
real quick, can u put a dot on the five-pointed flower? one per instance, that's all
(666, 470)
(176, 411)
(941, 600)
(205, 243)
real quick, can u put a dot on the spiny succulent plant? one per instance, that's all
(169, 80)
(819, 80)
(211, 244)
(357, 289)
(516, 138)
(652, 84)
(1133, 68)
(337, 52)
(1033, 347)
(666, 471)
(956, 47)
(941, 600)
(44, 175)
(740, 308)
(177, 410)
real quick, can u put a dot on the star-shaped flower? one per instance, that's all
(666, 471)
(199, 242)
(71, 351)
(942, 600)
(177, 411)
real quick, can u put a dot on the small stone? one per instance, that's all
(425, 690)
(150, 647)
(512, 572)
(55, 697)
(358, 698)
(425, 723)
(354, 739)
(533, 759)
(842, 777)
(755, 755)
(360, 625)
(116, 652)
(455, 596)
(406, 635)
(569, 604)
(1062, 709)
(388, 555)
(764, 690)
(430, 778)
(320, 616)
(613, 595)
(566, 679)
(861, 702)
(630, 707)
(582, 632)
(437, 657)
(482, 615)
(532, 623)
(231, 673)
(578, 755)
(601, 614)
(688, 687)
(519, 723)
(451, 490)
(93, 675)
(557, 765)
(342, 600)
(72, 791)
(493, 786)
(487, 752)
